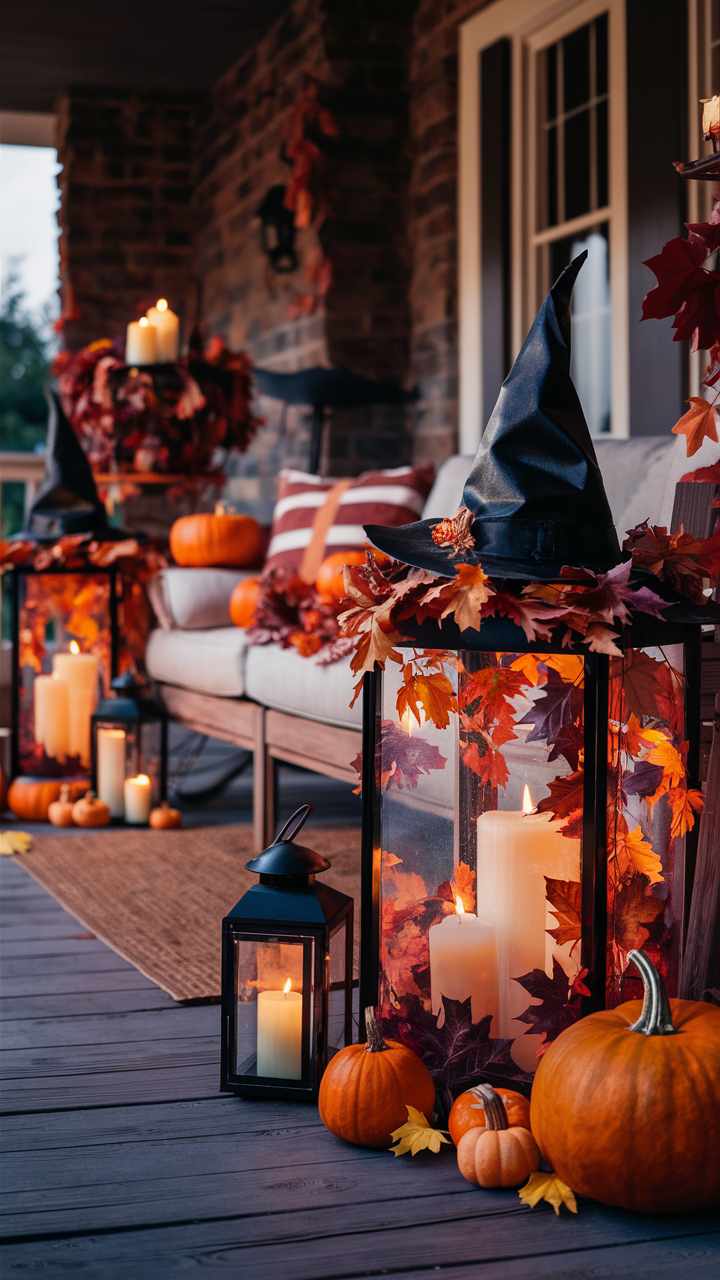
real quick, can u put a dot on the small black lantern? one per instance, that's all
(287, 974)
(278, 230)
(129, 751)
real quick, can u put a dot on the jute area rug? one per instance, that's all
(158, 897)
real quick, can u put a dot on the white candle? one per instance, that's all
(111, 770)
(516, 850)
(279, 1034)
(81, 672)
(463, 963)
(52, 716)
(167, 325)
(138, 799)
(141, 342)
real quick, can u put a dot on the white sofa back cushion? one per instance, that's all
(194, 599)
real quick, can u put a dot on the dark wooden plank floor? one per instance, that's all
(121, 1161)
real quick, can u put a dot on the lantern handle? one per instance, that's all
(302, 814)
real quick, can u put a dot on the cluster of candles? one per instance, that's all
(127, 798)
(155, 338)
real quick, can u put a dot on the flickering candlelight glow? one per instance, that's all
(143, 322)
(161, 304)
(528, 805)
(74, 646)
(287, 986)
(459, 905)
(406, 721)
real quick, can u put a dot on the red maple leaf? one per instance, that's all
(698, 424)
(685, 290)
(490, 767)
(566, 802)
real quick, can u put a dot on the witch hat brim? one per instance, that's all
(535, 489)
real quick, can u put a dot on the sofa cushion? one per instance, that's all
(194, 599)
(209, 661)
(284, 680)
(446, 493)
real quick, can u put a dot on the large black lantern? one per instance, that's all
(287, 974)
(129, 751)
(278, 230)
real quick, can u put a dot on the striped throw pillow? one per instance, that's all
(391, 497)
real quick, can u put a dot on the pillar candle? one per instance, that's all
(81, 672)
(52, 716)
(463, 962)
(111, 770)
(138, 799)
(279, 1034)
(167, 326)
(141, 342)
(516, 850)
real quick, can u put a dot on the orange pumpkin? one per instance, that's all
(60, 811)
(626, 1102)
(30, 798)
(498, 1154)
(468, 1111)
(223, 540)
(90, 812)
(243, 602)
(165, 817)
(329, 583)
(367, 1088)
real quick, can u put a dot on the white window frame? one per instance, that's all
(699, 195)
(530, 26)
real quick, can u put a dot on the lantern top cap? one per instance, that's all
(535, 495)
(285, 858)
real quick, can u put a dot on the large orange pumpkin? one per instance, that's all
(243, 602)
(225, 541)
(329, 583)
(468, 1111)
(30, 798)
(626, 1102)
(367, 1088)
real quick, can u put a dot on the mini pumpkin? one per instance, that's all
(330, 583)
(468, 1111)
(165, 817)
(367, 1088)
(224, 540)
(497, 1155)
(30, 798)
(60, 811)
(90, 812)
(626, 1102)
(243, 602)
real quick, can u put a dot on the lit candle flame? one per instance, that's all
(74, 646)
(528, 805)
(459, 905)
(406, 721)
(142, 777)
(287, 986)
(162, 304)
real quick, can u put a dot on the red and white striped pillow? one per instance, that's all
(391, 497)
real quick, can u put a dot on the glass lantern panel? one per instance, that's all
(650, 812)
(275, 1035)
(58, 614)
(337, 987)
(481, 860)
(125, 749)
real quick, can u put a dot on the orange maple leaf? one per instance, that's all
(698, 424)
(635, 853)
(430, 690)
(465, 885)
(472, 590)
(685, 804)
(490, 767)
(529, 665)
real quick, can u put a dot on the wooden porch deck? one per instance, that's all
(121, 1161)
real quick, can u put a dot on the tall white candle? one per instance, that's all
(52, 716)
(111, 770)
(81, 672)
(516, 850)
(279, 1034)
(167, 326)
(463, 963)
(141, 342)
(138, 800)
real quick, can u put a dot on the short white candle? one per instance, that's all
(111, 770)
(52, 716)
(167, 326)
(463, 963)
(138, 800)
(81, 672)
(279, 1034)
(141, 342)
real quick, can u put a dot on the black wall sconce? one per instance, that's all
(278, 230)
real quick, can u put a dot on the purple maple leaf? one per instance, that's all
(560, 704)
(556, 1010)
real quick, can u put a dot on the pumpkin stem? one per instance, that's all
(375, 1042)
(655, 1018)
(493, 1106)
(65, 795)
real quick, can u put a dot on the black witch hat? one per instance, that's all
(535, 493)
(67, 501)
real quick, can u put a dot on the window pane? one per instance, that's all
(552, 209)
(590, 312)
(601, 80)
(551, 80)
(601, 143)
(576, 68)
(577, 165)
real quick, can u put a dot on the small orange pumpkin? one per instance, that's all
(243, 602)
(497, 1155)
(90, 812)
(30, 798)
(223, 540)
(468, 1111)
(60, 811)
(367, 1088)
(329, 583)
(164, 817)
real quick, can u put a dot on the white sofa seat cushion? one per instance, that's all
(209, 661)
(446, 494)
(284, 680)
(194, 598)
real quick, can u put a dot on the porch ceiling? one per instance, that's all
(168, 46)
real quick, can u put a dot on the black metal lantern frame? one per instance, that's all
(129, 738)
(287, 975)
(437, 829)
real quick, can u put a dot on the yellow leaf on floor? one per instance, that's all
(416, 1135)
(546, 1186)
(15, 841)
